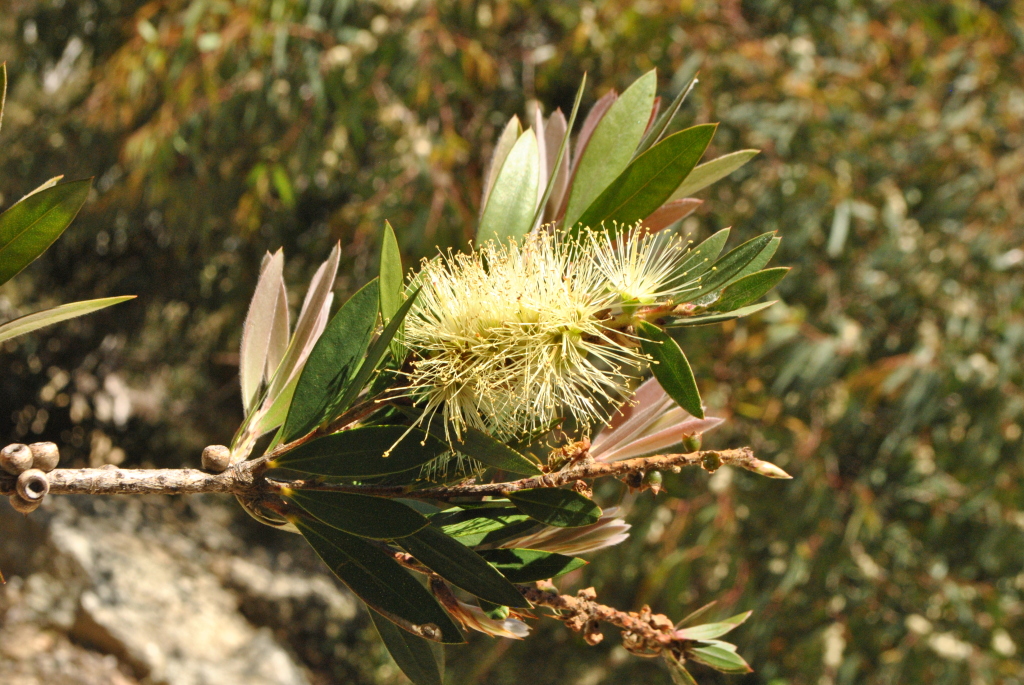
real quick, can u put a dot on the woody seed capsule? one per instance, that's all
(21, 506)
(216, 458)
(32, 485)
(45, 455)
(15, 458)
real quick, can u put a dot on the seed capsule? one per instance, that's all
(216, 458)
(45, 456)
(692, 443)
(21, 506)
(33, 485)
(15, 459)
(653, 480)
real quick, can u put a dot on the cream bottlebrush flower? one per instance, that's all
(608, 531)
(651, 422)
(509, 337)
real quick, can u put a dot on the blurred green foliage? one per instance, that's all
(888, 381)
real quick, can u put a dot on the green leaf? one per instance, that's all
(529, 565)
(3, 90)
(671, 368)
(556, 507)
(333, 362)
(415, 656)
(728, 267)
(563, 150)
(391, 274)
(749, 288)
(648, 182)
(662, 123)
(509, 135)
(487, 450)
(710, 172)
(513, 199)
(377, 579)
(376, 352)
(611, 146)
(720, 659)
(363, 515)
(697, 615)
(359, 453)
(30, 226)
(30, 322)
(461, 566)
(706, 319)
(701, 258)
(680, 676)
(710, 631)
(483, 526)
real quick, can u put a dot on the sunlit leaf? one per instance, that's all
(709, 631)
(30, 226)
(509, 135)
(556, 507)
(719, 658)
(671, 367)
(391, 274)
(669, 213)
(728, 267)
(657, 131)
(31, 322)
(529, 565)
(715, 170)
(558, 173)
(484, 526)
(701, 258)
(258, 329)
(749, 288)
(510, 207)
(706, 319)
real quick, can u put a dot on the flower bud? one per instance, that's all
(692, 443)
(216, 458)
(21, 506)
(45, 455)
(15, 458)
(653, 480)
(32, 485)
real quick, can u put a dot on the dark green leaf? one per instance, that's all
(31, 226)
(391, 274)
(710, 172)
(701, 258)
(709, 631)
(649, 180)
(359, 453)
(485, 449)
(706, 319)
(529, 565)
(671, 367)
(611, 146)
(749, 288)
(719, 658)
(333, 361)
(30, 322)
(484, 526)
(363, 515)
(556, 507)
(415, 656)
(761, 260)
(461, 566)
(378, 580)
(728, 267)
(513, 199)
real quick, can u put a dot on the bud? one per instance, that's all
(15, 459)
(653, 480)
(21, 506)
(692, 443)
(45, 456)
(766, 468)
(216, 458)
(32, 485)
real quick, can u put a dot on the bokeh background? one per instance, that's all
(888, 379)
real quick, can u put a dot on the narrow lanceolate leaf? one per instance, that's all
(461, 566)
(669, 213)
(31, 322)
(483, 526)
(31, 226)
(611, 146)
(709, 631)
(701, 258)
(258, 329)
(332, 363)
(3, 90)
(680, 676)
(280, 331)
(362, 515)
(707, 319)
(49, 183)
(671, 368)
(529, 565)
(647, 183)
(487, 450)
(415, 656)
(719, 658)
(513, 129)
(377, 579)
(749, 288)
(710, 172)
(557, 134)
(510, 207)
(661, 124)
(761, 260)
(728, 267)
(391, 274)
(556, 507)
(360, 452)
(375, 353)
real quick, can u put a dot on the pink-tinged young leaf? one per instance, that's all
(509, 136)
(542, 155)
(671, 212)
(279, 333)
(256, 332)
(609, 530)
(554, 132)
(655, 108)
